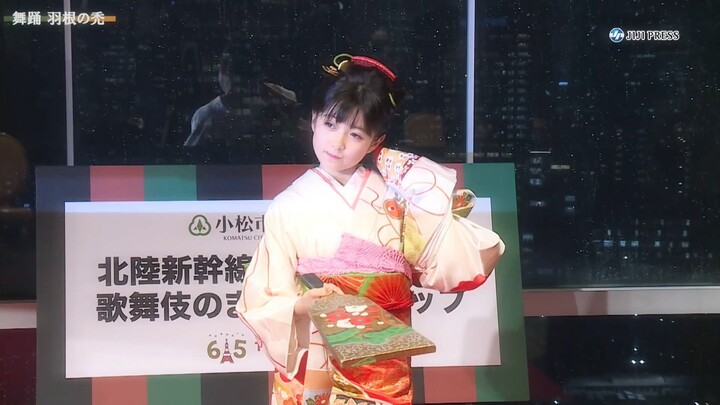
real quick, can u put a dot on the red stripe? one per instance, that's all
(119, 391)
(117, 183)
(458, 167)
(276, 178)
(449, 384)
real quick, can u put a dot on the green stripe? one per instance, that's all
(174, 390)
(170, 183)
(509, 381)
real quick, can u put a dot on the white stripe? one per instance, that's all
(470, 86)
(18, 315)
(69, 127)
(622, 301)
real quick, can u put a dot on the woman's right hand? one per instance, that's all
(302, 306)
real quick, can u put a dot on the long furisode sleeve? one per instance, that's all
(447, 252)
(270, 291)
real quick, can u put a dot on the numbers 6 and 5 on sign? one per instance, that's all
(239, 351)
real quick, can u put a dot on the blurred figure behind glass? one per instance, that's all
(253, 116)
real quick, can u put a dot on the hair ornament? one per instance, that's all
(340, 61)
(331, 70)
(370, 62)
(392, 100)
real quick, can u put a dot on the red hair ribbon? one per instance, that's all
(370, 62)
(364, 61)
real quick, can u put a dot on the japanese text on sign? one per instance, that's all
(148, 306)
(168, 270)
(172, 270)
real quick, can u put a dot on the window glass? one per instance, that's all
(32, 132)
(231, 81)
(610, 113)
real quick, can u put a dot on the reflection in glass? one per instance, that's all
(229, 82)
(17, 221)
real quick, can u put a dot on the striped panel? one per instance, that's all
(229, 182)
(276, 178)
(170, 183)
(174, 390)
(449, 384)
(117, 183)
(241, 388)
(418, 385)
(119, 391)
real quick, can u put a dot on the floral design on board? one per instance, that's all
(322, 399)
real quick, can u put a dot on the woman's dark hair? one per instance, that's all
(359, 92)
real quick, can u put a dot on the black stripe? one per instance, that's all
(242, 182)
(235, 388)
(418, 381)
(55, 186)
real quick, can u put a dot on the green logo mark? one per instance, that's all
(199, 226)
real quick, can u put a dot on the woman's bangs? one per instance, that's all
(346, 113)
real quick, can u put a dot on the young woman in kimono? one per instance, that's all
(365, 233)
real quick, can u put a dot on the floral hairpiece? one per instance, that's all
(340, 62)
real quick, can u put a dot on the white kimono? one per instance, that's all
(307, 220)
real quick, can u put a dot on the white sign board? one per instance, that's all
(151, 288)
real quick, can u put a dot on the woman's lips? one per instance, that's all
(331, 156)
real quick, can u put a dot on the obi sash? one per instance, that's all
(382, 274)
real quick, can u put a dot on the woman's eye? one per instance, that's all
(329, 124)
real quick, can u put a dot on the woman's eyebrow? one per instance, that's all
(359, 128)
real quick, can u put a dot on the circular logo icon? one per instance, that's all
(617, 35)
(199, 226)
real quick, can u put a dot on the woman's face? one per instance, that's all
(340, 146)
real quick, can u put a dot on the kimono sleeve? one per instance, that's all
(270, 291)
(447, 252)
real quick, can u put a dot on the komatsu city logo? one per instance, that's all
(618, 35)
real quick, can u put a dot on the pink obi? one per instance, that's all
(356, 255)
